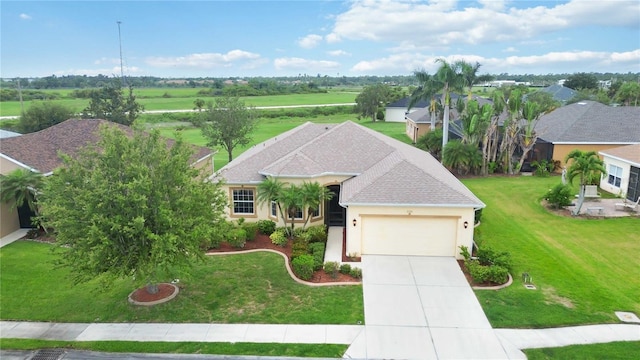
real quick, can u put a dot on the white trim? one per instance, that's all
(475, 206)
(293, 176)
(626, 161)
(592, 143)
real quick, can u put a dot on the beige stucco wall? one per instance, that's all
(624, 183)
(560, 151)
(9, 221)
(464, 237)
(263, 210)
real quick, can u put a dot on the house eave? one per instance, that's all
(475, 206)
(312, 176)
(626, 161)
(23, 165)
(594, 142)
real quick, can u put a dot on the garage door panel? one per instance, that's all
(409, 235)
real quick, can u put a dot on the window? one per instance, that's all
(615, 175)
(298, 214)
(316, 212)
(243, 201)
(274, 209)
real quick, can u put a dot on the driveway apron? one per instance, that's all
(419, 307)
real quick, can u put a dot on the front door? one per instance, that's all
(24, 215)
(336, 214)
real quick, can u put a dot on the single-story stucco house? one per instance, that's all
(396, 111)
(39, 151)
(390, 197)
(623, 171)
(588, 126)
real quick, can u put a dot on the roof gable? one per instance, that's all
(629, 153)
(40, 150)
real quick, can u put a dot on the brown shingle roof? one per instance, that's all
(40, 150)
(385, 171)
(630, 153)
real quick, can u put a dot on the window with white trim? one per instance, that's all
(274, 209)
(243, 201)
(298, 214)
(615, 175)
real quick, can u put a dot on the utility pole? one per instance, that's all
(124, 83)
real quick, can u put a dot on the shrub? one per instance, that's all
(317, 233)
(317, 250)
(299, 248)
(219, 234)
(345, 269)
(489, 257)
(560, 196)
(252, 230)
(356, 273)
(331, 268)
(237, 237)
(498, 274)
(33, 233)
(464, 251)
(279, 237)
(479, 273)
(266, 227)
(303, 266)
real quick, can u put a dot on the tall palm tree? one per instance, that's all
(271, 189)
(587, 167)
(19, 187)
(313, 195)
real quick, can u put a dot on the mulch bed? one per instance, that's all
(142, 295)
(264, 242)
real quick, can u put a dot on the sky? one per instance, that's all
(178, 39)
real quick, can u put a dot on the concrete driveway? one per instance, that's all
(419, 307)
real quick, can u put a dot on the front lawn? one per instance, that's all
(584, 269)
(241, 288)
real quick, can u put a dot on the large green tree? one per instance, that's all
(372, 97)
(587, 167)
(131, 206)
(581, 81)
(43, 114)
(227, 122)
(110, 103)
(629, 94)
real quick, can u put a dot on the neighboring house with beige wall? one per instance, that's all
(588, 126)
(390, 197)
(39, 152)
(623, 171)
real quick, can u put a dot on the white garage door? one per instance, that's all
(409, 235)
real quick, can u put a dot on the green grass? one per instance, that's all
(268, 128)
(246, 288)
(610, 351)
(585, 269)
(255, 349)
(182, 99)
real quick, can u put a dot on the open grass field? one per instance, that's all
(240, 288)
(182, 99)
(584, 269)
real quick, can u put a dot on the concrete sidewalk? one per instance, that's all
(571, 335)
(254, 333)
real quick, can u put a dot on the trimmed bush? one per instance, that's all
(559, 196)
(356, 273)
(489, 257)
(237, 237)
(252, 230)
(279, 237)
(345, 269)
(331, 268)
(299, 248)
(317, 233)
(479, 273)
(317, 251)
(266, 227)
(303, 266)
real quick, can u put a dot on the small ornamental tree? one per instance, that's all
(131, 207)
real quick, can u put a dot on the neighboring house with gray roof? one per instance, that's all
(559, 93)
(390, 197)
(588, 126)
(396, 111)
(623, 171)
(39, 152)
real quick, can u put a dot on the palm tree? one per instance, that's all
(291, 199)
(271, 189)
(19, 187)
(587, 166)
(313, 195)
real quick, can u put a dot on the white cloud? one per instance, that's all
(104, 60)
(510, 49)
(310, 41)
(441, 23)
(24, 16)
(567, 61)
(309, 66)
(338, 53)
(205, 60)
